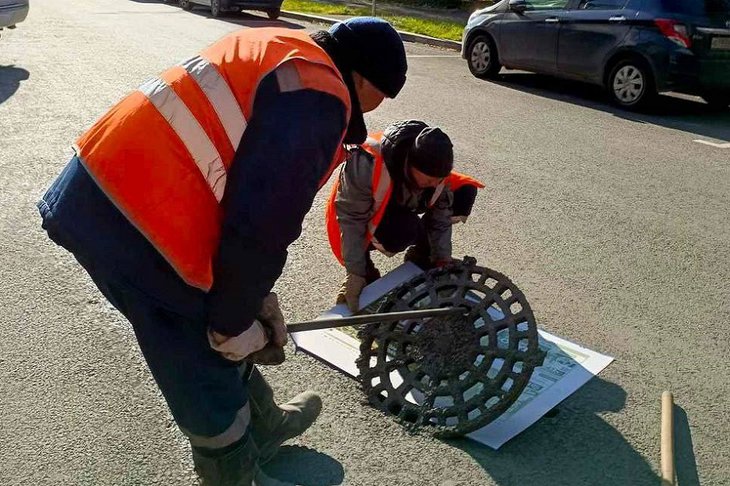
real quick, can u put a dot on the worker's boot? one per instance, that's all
(237, 467)
(233, 466)
(264, 480)
(271, 424)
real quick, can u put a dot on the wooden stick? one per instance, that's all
(667, 437)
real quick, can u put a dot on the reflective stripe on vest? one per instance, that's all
(437, 193)
(161, 154)
(382, 188)
(187, 127)
(220, 96)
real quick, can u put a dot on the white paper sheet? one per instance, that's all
(567, 366)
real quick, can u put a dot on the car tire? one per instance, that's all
(482, 57)
(217, 9)
(273, 13)
(630, 84)
(717, 101)
(185, 4)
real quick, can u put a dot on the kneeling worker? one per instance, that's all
(394, 191)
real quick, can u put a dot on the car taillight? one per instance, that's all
(674, 31)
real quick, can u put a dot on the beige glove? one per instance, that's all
(262, 343)
(271, 317)
(350, 291)
(237, 348)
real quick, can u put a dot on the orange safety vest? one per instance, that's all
(382, 187)
(161, 155)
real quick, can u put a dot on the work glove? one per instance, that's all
(237, 348)
(271, 354)
(262, 343)
(273, 320)
(350, 291)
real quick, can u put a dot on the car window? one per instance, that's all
(718, 7)
(697, 7)
(546, 4)
(602, 4)
(683, 7)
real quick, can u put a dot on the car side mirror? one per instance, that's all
(518, 6)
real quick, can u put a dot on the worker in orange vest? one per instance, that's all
(181, 201)
(396, 190)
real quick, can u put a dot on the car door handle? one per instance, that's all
(552, 20)
(618, 19)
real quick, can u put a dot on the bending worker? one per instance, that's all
(180, 204)
(396, 190)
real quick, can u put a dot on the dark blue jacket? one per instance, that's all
(285, 151)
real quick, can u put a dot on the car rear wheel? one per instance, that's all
(631, 85)
(185, 4)
(482, 57)
(718, 101)
(273, 13)
(216, 9)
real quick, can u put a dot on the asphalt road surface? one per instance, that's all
(615, 225)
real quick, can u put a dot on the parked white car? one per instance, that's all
(12, 12)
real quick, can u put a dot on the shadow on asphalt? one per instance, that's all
(684, 455)
(573, 446)
(305, 467)
(682, 114)
(10, 78)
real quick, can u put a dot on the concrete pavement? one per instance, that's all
(613, 224)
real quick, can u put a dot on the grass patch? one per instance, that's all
(309, 6)
(442, 29)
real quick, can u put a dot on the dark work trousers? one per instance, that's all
(206, 393)
(464, 198)
(400, 228)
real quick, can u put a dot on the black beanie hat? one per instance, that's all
(432, 153)
(375, 51)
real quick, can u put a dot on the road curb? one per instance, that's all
(406, 36)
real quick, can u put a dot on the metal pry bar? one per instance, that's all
(359, 320)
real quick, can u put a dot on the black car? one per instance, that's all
(220, 7)
(12, 12)
(634, 48)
